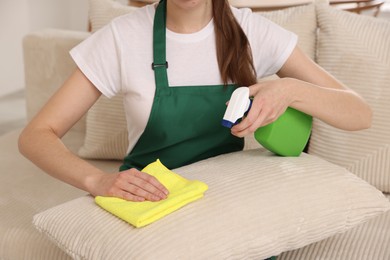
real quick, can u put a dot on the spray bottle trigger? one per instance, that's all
(239, 104)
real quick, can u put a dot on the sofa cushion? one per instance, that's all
(356, 50)
(367, 241)
(26, 190)
(257, 205)
(108, 140)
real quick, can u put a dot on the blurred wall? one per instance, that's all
(18, 18)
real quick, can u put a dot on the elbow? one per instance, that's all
(368, 122)
(26, 141)
(359, 121)
(368, 118)
(365, 119)
(33, 137)
(23, 142)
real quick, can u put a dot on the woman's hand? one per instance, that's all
(45, 131)
(270, 100)
(307, 87)
(132, 185)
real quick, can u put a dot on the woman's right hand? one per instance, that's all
(68, 105)
(132, 185)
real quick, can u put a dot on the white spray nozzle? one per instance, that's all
(239, 104)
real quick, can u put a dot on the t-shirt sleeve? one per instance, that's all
(98, 57)
(271, 44)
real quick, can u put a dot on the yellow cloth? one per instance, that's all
(139, 214)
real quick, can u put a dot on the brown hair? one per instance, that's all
(233, 50)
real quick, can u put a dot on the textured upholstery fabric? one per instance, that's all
(368, 241)
(181, 193)
(101, 12)
(356, 50)
(48, 49)
(257, 205)
(106, 136)
(300, 20)
(24, 191)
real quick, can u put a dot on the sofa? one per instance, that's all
(331, 202)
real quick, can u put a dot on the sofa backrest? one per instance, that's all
(47, 65)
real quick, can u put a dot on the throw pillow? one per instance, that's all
(356, 50)
(106, 129)
(300, 20)
(258, 205)
(101, 12)
(106, 140)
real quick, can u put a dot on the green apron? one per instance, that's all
(184, 125)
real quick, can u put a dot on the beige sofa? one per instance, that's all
(344, 44)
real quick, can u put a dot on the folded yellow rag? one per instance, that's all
(139, 214)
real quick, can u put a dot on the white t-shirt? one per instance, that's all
(118, 58)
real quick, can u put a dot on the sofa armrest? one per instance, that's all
(47, 65)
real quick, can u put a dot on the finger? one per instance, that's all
(273, 117)
(129, 196)
(122, 194)
(250, 129)
(250, 118)
(253, 112)
(141, 191)
(152, 180)
(258, 122)
(265, 119)
(140, 184)
(253, 90)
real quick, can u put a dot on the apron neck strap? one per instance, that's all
(160, 63)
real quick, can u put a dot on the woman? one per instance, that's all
(176, 83)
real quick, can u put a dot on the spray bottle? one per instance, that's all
(287, 136)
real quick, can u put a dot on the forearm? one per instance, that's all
(341, 108)
(41, 143)
(46, 150)
(314, 91)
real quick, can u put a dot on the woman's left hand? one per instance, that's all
(270, 100)
(306, 87)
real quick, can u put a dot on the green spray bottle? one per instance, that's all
(287, 136)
